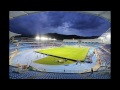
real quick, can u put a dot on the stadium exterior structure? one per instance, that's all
(82, 40)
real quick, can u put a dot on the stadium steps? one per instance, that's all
(87, 76)
(32, 77)
(106, 50)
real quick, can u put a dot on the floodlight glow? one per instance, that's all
(44, 38)
(102, 38)
(108, 36)
(37, 38)
(49, 38)
(54, 39)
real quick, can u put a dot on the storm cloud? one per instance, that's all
(62, 22)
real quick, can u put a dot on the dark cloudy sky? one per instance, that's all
(68, 23)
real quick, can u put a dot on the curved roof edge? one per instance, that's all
(11, 34)
(105, 14)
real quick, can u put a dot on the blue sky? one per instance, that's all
(61, 22)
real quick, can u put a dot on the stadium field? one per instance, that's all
(53, 61)
(75, 53)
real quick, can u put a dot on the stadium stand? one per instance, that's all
(101, 73)
(22, 51)
(46, 75)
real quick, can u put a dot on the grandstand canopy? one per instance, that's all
(11, 34)
(106, 37)
(105, 14)
(81, 23)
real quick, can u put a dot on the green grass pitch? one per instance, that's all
(75, 53)
(53, 61)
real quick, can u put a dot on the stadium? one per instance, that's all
(59, 45)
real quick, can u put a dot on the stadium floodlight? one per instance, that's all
(101, 38)
(108, 36)
(37, 38)
(44, 38)
(54, 39)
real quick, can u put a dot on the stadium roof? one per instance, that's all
(105, 14)
(11, 34)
